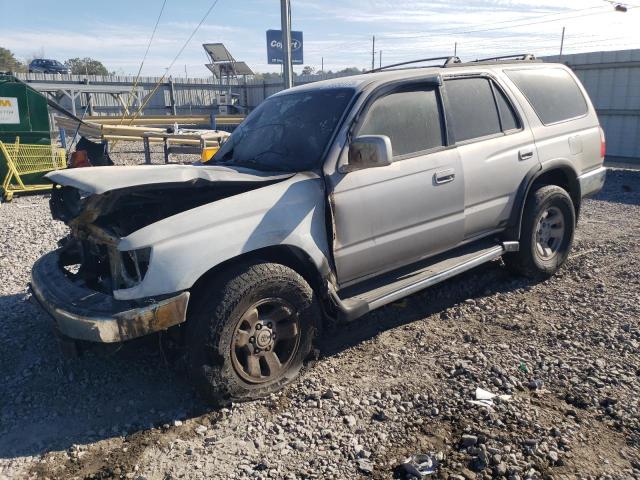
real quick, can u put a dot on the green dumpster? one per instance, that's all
(23, 114)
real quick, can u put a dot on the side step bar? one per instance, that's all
(381, 293)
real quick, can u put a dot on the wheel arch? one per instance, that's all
(558, 172)
(289, 255)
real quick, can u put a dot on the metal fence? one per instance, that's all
(613, 82)
(108, 95)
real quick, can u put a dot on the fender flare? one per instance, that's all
(560, 164)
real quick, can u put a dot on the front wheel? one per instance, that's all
(249, 336)
(548, 226)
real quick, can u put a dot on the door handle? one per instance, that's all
(525, 155)
(444, 176)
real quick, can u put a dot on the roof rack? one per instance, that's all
(525, 57)
(448, 61)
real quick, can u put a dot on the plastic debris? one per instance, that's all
(419, 465)
(484, 398)
(523, 367)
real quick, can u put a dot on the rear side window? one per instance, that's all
(472, 107)
(552, 92)
(411, 120)
(508, 118)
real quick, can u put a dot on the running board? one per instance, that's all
(354, 302)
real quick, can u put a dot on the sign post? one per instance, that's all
(285, 19)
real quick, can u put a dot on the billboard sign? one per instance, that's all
(274, 47)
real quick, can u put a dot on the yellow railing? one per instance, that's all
(25, 159)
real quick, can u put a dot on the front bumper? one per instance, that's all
(85, 314)
(592, 182)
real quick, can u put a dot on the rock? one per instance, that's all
(349, 420)
(380, 416)
(468, 441)
(365, 465)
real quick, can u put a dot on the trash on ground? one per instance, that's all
(485, 398)
(419, 465)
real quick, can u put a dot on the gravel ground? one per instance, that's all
(397, 382)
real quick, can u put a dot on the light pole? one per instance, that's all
(287, 68)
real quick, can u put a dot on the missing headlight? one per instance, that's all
(136, 264)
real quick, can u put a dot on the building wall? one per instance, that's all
(613, 82)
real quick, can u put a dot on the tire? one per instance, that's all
(544, 244)
(262, 311)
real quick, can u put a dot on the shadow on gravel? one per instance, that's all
(48, 403)
(484, 280)
(621, 186)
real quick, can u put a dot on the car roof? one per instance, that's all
(370, 80)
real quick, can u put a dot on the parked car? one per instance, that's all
(43, 65)
(330, 200)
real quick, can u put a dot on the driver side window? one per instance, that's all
(411, 120)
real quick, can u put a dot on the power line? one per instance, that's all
(516, 20)
(476, 29)
(135, 82)
(195, 30)
(429, 34)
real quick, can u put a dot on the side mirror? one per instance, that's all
(369, 151)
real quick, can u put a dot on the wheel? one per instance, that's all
(249, 336)
(548, 225)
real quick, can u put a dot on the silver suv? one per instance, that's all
(330, 200)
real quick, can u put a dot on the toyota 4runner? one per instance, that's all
(331, 199)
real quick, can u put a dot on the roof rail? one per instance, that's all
(448, 61)
(527, 57)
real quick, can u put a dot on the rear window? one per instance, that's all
(552, 92)
(473, 108)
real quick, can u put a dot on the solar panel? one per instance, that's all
(215, 69)
(242, 68)
(218, 52)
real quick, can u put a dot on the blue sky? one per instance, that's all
(117, 31)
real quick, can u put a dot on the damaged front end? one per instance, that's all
(75, 284)
(80, 283)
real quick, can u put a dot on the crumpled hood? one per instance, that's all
(98, 180)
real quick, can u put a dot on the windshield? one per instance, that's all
(286, 132)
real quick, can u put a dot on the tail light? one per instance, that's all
(603, 144)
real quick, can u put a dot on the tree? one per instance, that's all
(307, 70)
(267, 76)
(9, 63)
(350, 71)
(86, 66)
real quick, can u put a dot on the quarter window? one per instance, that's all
(508, 118)
(473, 108)
(552, 92)
(411, 120)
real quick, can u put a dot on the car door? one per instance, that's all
(496, 148)
(387, 217)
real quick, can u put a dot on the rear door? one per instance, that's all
(496, 149)
(388, 217)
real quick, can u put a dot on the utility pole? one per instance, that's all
(373, 53)
(562, 42)
(322, 65)
(285, 20)
(455, 49)
(380, 58)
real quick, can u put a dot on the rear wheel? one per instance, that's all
(548, 226)
(249, 337)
